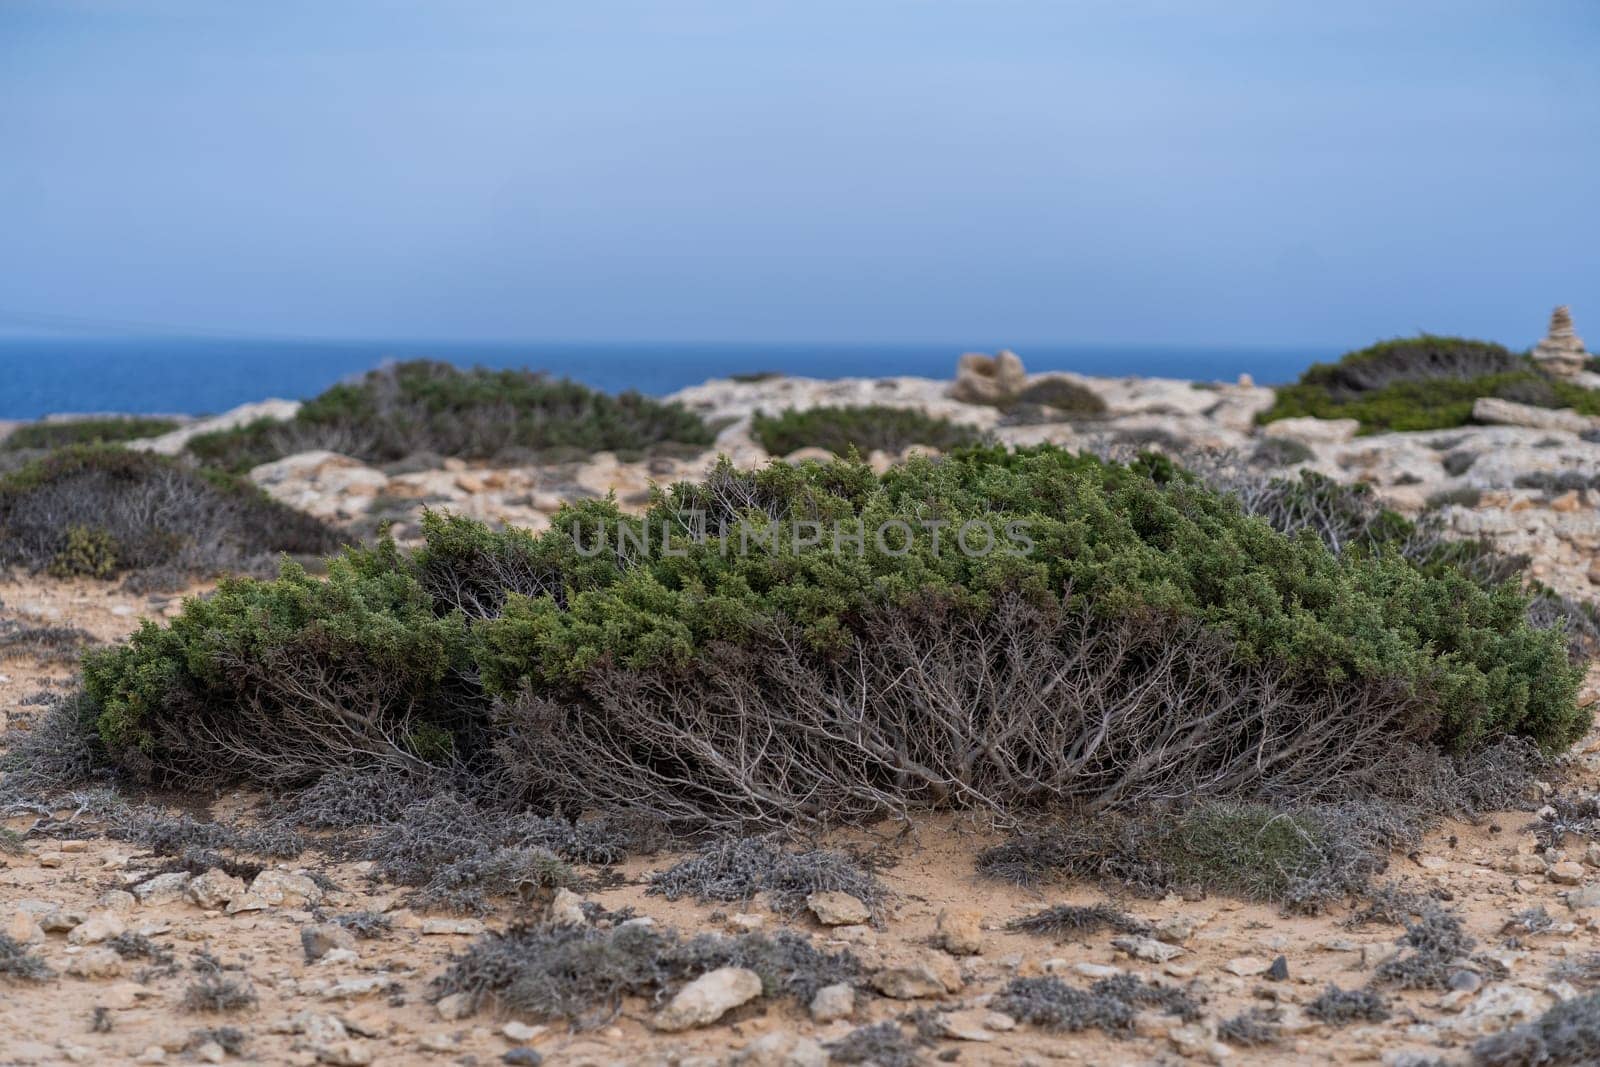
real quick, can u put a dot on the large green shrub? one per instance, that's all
(865, 428)
(423, 406)
(1132, 634)
(1422, 383)
(99, 510)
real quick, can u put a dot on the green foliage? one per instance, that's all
(393, 651)
(335, 673)
(1422, 383)
(89, 552)
(423, 406)
(865, 428)
(63, 432)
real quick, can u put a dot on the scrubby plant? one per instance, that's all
(1340, 1007)
(1062, 920)
(215, 990)
(1131, 989)
(1053, 1005)
(1280, 452)
(866, 428)
(1061, 395)
(1422, 383)
(424, 406)
(1567, 1035)
(1431, 946)
(581, 973)
(17, 962)
(1252, 1028)
(97, 511)
(365, 925)
(882, 1044)
(737, 869)
(714, 684)
(58, 750)
(59, 433)
(46, 644)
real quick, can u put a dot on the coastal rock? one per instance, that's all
(1509, 413)
(321, 483)
(926, 973)
(833, 908)
(1309, 430)
(982, 379)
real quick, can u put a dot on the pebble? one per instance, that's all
(833, 908)
(833, 1002)
(959, 931)
(708, 998)
(1147, 948)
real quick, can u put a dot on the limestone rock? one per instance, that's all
(95, 963)
(833, 1002)
(1247, 966)
(781, 1049)
(453, 1007)
(708, 998)
(926, 973)
(99, 926)
(320, 939)
(437, 927)
(991, 380)
(1309, 430)
(215, 889)
(1561, 353)
(162, 889)
(287, 889)
(23, 929)
(833, 908)
(1509, 413)
(567, 909)
(958, 931)
(1567, 872)
(170, 444)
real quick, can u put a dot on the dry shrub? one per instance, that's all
(99, 510)
(880, 1045)
(1340, 1007)
(582, 973)
(1063, 920)
(1431, 947)
(17, 962)
(1052, 1004)
(1568, 1035)
(945, 709)
(1252, 1028)
(45, 644)
(738, 868)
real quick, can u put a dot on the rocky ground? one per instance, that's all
(942, 949)
(942, 952)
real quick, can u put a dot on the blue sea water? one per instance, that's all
(40, 376)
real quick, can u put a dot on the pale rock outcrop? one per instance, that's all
(173, 442)
(321, 483)
(1309, 430)
(708, 998)
(1508, 413)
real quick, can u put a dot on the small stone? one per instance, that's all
(833, 1002)
(246, 901)
(1175, 929)
(522, 1057)
(95, 963)
(211, 1052)
(1279, 971)
(349, 1053)
(567, 909)
(99, 926)
(1465, 981)
(1584, 897)
(214, 890)
(1096, 971)
(319, 1028)
(337, 956)
(781, 1049)
(927, 973)
(999, 1021)
(959, 932)
(1499, 1006)
(1147, 948)
(464, 927)
(708, 998)
(965, 1025)
(59, 921)
(833, 908)
(163, 888)
(23, 929)
(439, 1042)
(515, 1031)
(1591, 855)
(453, 1007)
(1247, 966)
(116, 900)
(1195, 1042)
(151, 1054)
(1567, 872)
(320, 939)
(745, 922)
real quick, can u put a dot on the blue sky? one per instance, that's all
(973, 171)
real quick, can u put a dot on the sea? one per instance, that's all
(188, 376)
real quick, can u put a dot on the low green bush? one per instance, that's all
(867, 428)
(1062, 395)
(99, 511)
(59, 433)
(1422, 383)
(423, 406)
(754, 670)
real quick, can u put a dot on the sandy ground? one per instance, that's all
(380, 995)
